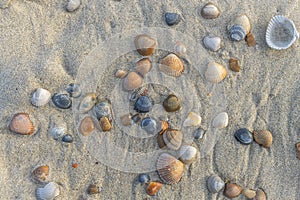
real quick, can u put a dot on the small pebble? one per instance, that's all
(172, 18)
(73, 5)
(67, 138)
(244, 136)
(74, 90)
(144, 178)
(199, 133)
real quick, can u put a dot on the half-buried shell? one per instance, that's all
(87, 103)
(171, 65)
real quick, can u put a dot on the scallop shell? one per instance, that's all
(120, 73)
(22, 124)
(171, 65)
(193, 119)
(40, 173)
(232, 190)
(144, 44)
(180, 49)
(87, 103)
(153, 188)
(250, 39)
(132, 81)
(215, 72)
(169, 169)
(172, 103)
(187, 154)
(173, 139)
(40, 97)
(263, 137)
(212, 43)
(281, 33)
(298, 150)
(143, 66)
(215, 184)
(221, 120)
(234, 64)
(260, 195)
(86, 126)
(105, 124)
(73, 5)
(49, 192)
(249, 193)
(210, 11)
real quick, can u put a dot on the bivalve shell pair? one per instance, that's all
(281, 33)
(22, 124)
(40, 174)
(193, 119)
(171, 65)
(132, 81)
(49, 192)
(212, 43)
(173, 139)
(263, 137)
(143, 66)
(187, 154)
(87, 103)
(172, 103)
(40, 97)
(86, 126)
(232, 190)
(210, 11)
(215, 184)
(239, 28)
(169, 169)
(145, 44)
(221, 120)
(215, 72)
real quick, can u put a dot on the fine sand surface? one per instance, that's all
(42, 45)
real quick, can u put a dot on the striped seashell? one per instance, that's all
(49, 192)
(40, 174)
(237, 33)
(40, 97)
(212, 43)
(263, 137)
(221, 120)
(171, 65)
(260, 195)
(169, 169)
(22, 124)
(87, 103)
(215, 72)
(239, 27)
(193, 119)
(173, 139)
(232, 190)
(145, 44)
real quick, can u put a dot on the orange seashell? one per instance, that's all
(153, 188)
(105, 124)
(169, 169)
(171, 65)
(160, 141)
(260, 195)
(75, 165)
(143, 66)
(164, 126)
(298, 150)
(86, 126)
(21, 124)
(250, 40)
(263, 137)
(234, 64)
(144, 44)
(173, 138)
(40, 173)
(232, 190)
(132, 81)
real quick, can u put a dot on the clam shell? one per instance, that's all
(187, 154)
(132, 81)
(221, 120)
(241, 21)
(244, 136)
(173, 139)
(143, 66)
(250, 39)
(105, 124)
(86, 126)
(22, 124)
(232, 190)
(237, 33)
(172, 18)
(234, 65)
(87, 103)
(210, 11)
(260, 195)
(149, 125)
(49, 192)
(171, 65)
(144, 44)
(193, 119)
(153, 188)
(212, 43)
(74, 90)
(169, 169)
(249, 193)
(40, 173)
(263, 137)
(40, 97)
(120, 73)
(143, 104)
(281, 33)
(215, 72)
(215, 184)
(93, 189)
(298, 149)
(103, 109)
(57, 127)
(73, 5)
(180, 49)
(172, 103)
(62, 100)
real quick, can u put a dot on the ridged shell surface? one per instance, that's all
(49, 192)
(173, 139)
(21, 124)
(215, 72)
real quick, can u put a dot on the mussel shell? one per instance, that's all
(145, 44)
(210, 11)
(105, 124)
(103, 109)
(187, 154)
(40, 97)
(173, 139)
(234, 64)
(86, 126)
(132, 81)
(87, 103)
(199, 133)
(171, 65)
(144, 178)
(68, 138)
(62, 100)
(260, 195)
(143, 66)
(149, 125)
(244, 136)
(143, 104)
(40, 173)
(172, 18)
(74, 90)
(221, 120)
(215, 184)
(22, 124)
(232, 190)
(212, 43)
(215, 72)
(172, 103)
(263, 137)
(49, 192)
(153, 188)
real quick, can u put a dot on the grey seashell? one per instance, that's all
(49, 192)
(74, 90)
(40, 97)
(281, 33)
(187, 154)
(221, 120)
(103, 109)
(68, 138)
(210, 11)
(73, 5)
(212, 43)
(215, 183)
(237, 33)
(57, 127)
(61, 100)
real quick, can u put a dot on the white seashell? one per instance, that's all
(281, 33)
(215, 72)
(210, 11)
(212, 43)
(187, 154)
(40, 97)
(49, 192)
(221, 120)
(180, 49)
(73, 5)
(193, 119)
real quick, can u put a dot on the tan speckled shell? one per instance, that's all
(153, 188)
(86, 126)
(120, 73)
(40, 173)
(260, 195)
(232, 190)
(105, 124)
(210, 11)
(249, 193)
(263, 137)
(143, 66)
(132, 81)
(173, 139)
(144, 44)
(171, 65)
(215, 72)
(21, 124)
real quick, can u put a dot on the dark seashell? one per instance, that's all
(149, 125)
(103, 109)
(93, 189)
(67, 138)
(144, 178)
(145, 45)
(199, 133)
(143, 104)
(244, 136)
(136, 118)
(232, 190)
(172, 18)
(298, 149)
(160, 141)
(74, 90)
(61, 100)
(173, 139)
(172, 103)
(153, 188)
(237, 33)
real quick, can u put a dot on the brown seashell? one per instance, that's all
(234, 64)
(232, 190)
(171, 65)
(164, 127)
(143, 66)
(93, 189)
(263, 137)
(153, 188)
(40, 173)
(126, 120)
(132, 81)
(21, 124)
(260, 195)
(173, 138)
(105, 124)
(250, 39)
(298, 150)
(249, 193)
(120, 73)
(169, 168)
(144, 44)
(160, 141)
(172, 103)
(210, 11)
(86, 126)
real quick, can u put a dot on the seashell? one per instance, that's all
(68, 138)
(143, 104)
(172, 18)
(187, 154)
(126, 120)
(149, 125)
(240, 21)
(234, 64)
(237, 33)
(172, 103)
(142, 91)
(221, 120)
(132, 81)
(210, 11)
(160, 141)
(103, 109)
(260, 195)
(193, 119)
(87, 103)
(143, 66)
(250, 39)
(249, 193)
(136, 118)
(73, 5)
(120, 73)
(61, 100)
(180, 49)
(22, 124)
(105, 124)
(173, 139)
(40, 97)
(263, 137)
(144, 44)
(298, 149)
(212, 43)
(163, 127)
(215, 184)
(171, 65)
(74, 90)
(281, 33)
(169, 169)
(49, 192)
(232, 190)
(244, 136)
(93, 189)
(144, 178)
(58, 126)
(153, 188)
(40, 173)
(86, 126)
(215, 72)
(199, 133)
